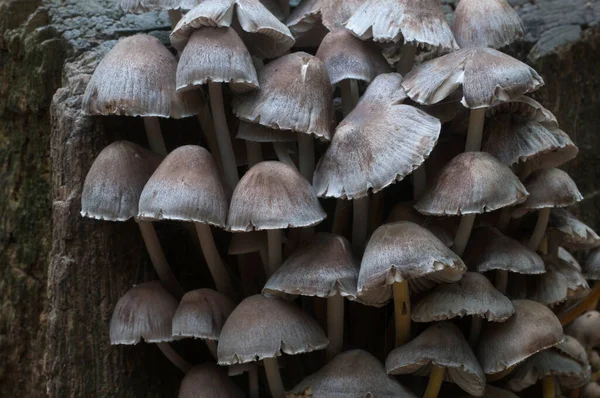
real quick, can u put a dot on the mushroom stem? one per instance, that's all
(503, 220)
(582, 307)
(435, 382)
(475, 331)
(174, 357)
(407, 58)
(174, 17)
(274, 244)
(540, 229)
(159, 261)
(402, 312)
(501, 281)
(335, 325)
(254, 152)
(548, 387)
(360, 223)
(463, 233)
(213, 259)
(253, 381)
(274, 377)
(283, 155)
(341, 217)
(207, 125)
(306, 150)
(419, 182)
(476, 122)
(155, 138)
(212, 347)
(349, 88)
(222, 131)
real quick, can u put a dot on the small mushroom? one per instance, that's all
(586, 329)
(575, 235)
(591, 270)
(208, 381)
(576, 284)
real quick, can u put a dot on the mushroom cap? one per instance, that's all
(325, 267)
(137, 78)
(591, 270)
(295, 94)
(531, 329)
(488, 249)
(586, 329)
(486, 76)
(143, 6)
(208, 381)
(273, 195)
(144, 312)
(527, 108)
(550, 288)
(216, 55)
(185, 187)
(573, 349)
(351, 374)
(473, 295)
(439, 345)
(575, 234)
(380, 142)
(402, 251)
(113, 186)
(472, 183)
(265, 327)
(258, 133)
(592, 390)
(201, 314)
(421, 23)
(346, 57)
(577, 286)
(489, 23)
(309, 14)
(261, 31)
(495, 392)
(547, 189)
(568, 258)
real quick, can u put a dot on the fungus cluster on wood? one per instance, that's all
(476, 224)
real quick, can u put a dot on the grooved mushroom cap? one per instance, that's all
(486, 76)
(295, 94)
(591, 269)
(208, 381)
(531, 329)
(527, 108)
(346, 57)
(185, 187)
(265, 327)
(142, 6)
(402, 251)
(473, 295)
(137, 78)
(488, 249)
(257, 133)
(380, 142)
(261, 31)
(472, 183)
(323, 268)
(201, 314)
(310, 14)
(351, 374)
(548, 188)
(216, 55)
(439, 345)
(113, 186)
(575, 234)
(486, 23)
(577, 286)
(586, 329)
(273, 195)
(421, 23)
(144, 312)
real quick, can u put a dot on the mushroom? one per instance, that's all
(586, 329)
(263, 328)
(354, 373)
(591, 270)
(208, 381)
(186, 187)
(592, 390)
(137, 78)
(112, 190)
(576, 284)
(145, 312)
(441, 352)
(397, 253)
(575, 235)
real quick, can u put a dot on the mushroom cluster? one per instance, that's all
(446, 253)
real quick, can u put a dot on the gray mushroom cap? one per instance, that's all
(489, 23)
(472, 183)
(114, 183)
(258, 133)
(208, 381)
(577, 286)
(144, 312)
(351, 374)
(439, 345)
(586, 329)
(531, 329)
(185, 187)
(550, 288)
(486, 76)
(573, 349)
(575, 234)
(527, 108)
(201, 314)
(137, 78)
(273, 195)
(380, 142)
(310, 14)
(591, 270)
(266, 327)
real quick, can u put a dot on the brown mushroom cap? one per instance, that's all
(354, 373)
(586, 329)
(208, 381)
(265, 327)
(531, 329)
(472, 183)
(137, 78)
(575, 234)
(113, 186)
(273, 195)
(486, 76)
(525, 107)
(591, 270)
(258, 133)
(439, 345)
(186, 187)
(489, 23)
(144, 312)
(380, 142)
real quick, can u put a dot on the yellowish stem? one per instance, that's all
(402, 312)
(435, 382)
(548, 387)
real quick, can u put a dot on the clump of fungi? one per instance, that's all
(468, 282)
